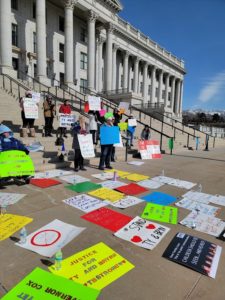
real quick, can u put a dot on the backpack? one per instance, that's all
(59, 141)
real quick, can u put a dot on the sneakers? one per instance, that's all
(109, 167)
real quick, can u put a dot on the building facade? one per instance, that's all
(86, 45)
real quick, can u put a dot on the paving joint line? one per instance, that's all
(193, 288)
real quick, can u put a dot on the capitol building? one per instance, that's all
(86, 45)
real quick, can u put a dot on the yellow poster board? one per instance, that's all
(9, 224)
(107, 194)
(119, 173)
(95, 267)
(136, 177)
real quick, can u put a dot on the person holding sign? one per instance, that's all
(130, 131)
(117, 118)
(79, 127)
(66, 110)
(49, 112)
(93, 125)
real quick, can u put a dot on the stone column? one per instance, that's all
(115, 48)
(69, 77)
(41, 41)
(100, 45)
(153, 84)
(160, 86)
(109, 30)
(145, 82)
(136, 74)
(181, 97)
(172, 94)
(125, 69)
(177, 100)
(5, 38)
(91, 49)
(166, 90)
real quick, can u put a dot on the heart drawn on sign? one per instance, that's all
(150, 226)
(136, 239)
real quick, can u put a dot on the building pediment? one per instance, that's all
(113, 4)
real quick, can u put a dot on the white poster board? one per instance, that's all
(124, 105)
(132, 122)
(66, 120)
(198, 206)
(74, 179)
(30, 108)
(127, 202)
(86, 145)
(10, 198)
(94, 103)
(36, 97)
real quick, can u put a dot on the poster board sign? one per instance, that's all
(40, 284)
(84, 187)
(74, 179)
(207, 209)
(112, 184)
(107, 194)
(50, 238)
(127, 202)
(102, 112)
(66, 120)
(103, 176)
(94, 103)
(86, 145)
(109, 135)
(142, 233)
(123, 106)
(132, 122)
(159, 198)
(9, 224)
(10, 198)
(136, 177)
(150, 184)
(120, 144)
(119, 172)
(195, 253)
(167, 214)
(149, 149)
(197, 196)
(131, 189)
(85, 266)
(52, 173)
(30, 108)
(36, 97)
(123, 126)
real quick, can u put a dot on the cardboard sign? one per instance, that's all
(40, 284)
(159, 198)
(15, 163)
(74, 179)
(44, 182)
(10, 198)
(94, 103)
(86, 145)
(107, 194)
(50, 238)
(126, 202)
(150, 184)
(136, 177)
(132, 122)
(204, 223)
(143, 233)
(88, 266)
(85, 203)
(167, 214)
(66, 120)
(107, 218)
(109, 135)
(132, 189)
(84, 187)
(9, 224)
(111, 184)
(195, 253)
(30, 108)
(198, 206)
(123, 126)
(52, 174)
(149, 149)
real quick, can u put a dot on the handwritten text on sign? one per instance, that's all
(94, 103)
(66, 120)
(86, 145)
(30, 108)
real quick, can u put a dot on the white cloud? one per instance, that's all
(213, 88)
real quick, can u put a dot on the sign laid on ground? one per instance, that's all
(10, 198)
(159, 198)
(160, 213)
(198, 206)
(127, 202)
(107, 194)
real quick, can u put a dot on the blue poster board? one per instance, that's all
(109, 135)
(159, 198)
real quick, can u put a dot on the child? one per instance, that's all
(145, 134)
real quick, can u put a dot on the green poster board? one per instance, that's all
(167, 214)
(15, 163)
(84, 187)
(170, 143)
(42, 285)
(123, 126)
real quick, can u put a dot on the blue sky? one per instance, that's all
(193, 30)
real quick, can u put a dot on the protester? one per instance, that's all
(80, 127)
(117, 118)
(93, 125)
(106, 150)
(8, 142)
(130, 131)
(26, 122)
(145, 134)
(49, 112)
(66, 110)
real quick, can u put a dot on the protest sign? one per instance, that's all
(44, 182)
(111, 184)
(218, 199)
(30, 108)
(103, 176)
(131, 189)
(107, 194)
(107, 218)
(150, 184)
(86, 145)
(197, 196)
(126, 202)
(66, 120)
(159, 198)
(167, 214)
(163, 179)
(35, 147)
(52, 174)
(15, 163)
(36, 97)
(149, 149)
(88, 266)
(123, 106)
(50, 238)
(109, 135)
(204, 223)
(85, 203)
(198, 206)
(136, 163)
(135, 177)
(40, 284)
(74, 179)
(132, 122)
(83, 187)
(9, 224)
(102, 112)
(142, 233)
(123, 126)
(10, 198)
(182, 184)
(195, 253)
(94, 103)
(119, 173)
(120, 144)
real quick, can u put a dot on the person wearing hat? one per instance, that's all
(106, 150)
(49, 112)
(66, 110)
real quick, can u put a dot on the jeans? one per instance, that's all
(78, 159)
(106, 152)
(130, 138)
(93, 132)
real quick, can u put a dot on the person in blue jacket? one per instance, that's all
(8, 142)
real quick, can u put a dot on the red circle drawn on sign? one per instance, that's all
(45, 245)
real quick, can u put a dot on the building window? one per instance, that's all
(35, 70)
(15, 63)
(61, 23)
(149, 89)
(83, 61)
(61, 52)
(83, 35)
(15, 35)
(34, 10)
(141, 87)
(83, 85)
(14, 4)
(61, 78)
(34, 42)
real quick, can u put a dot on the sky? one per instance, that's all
(192, 30)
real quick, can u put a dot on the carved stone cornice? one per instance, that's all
(69, 3)
(109, 27)
(100, 40)
(92, 16)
